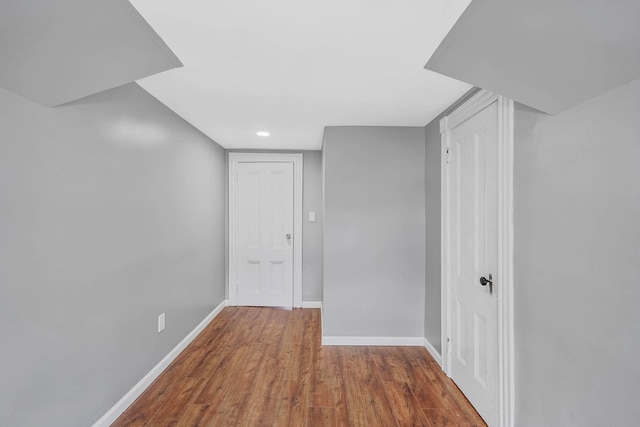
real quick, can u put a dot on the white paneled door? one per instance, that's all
(473, 234)
(264, 229)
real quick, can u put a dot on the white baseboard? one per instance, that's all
(126, 401)
(434, 353)
(321, 323)
(375, 341)
(311, 304)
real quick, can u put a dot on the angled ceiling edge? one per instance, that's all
(546, 54)
(57, 52)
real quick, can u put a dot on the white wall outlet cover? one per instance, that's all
(161, 323)
(312, 216)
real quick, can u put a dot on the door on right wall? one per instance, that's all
(473, 245)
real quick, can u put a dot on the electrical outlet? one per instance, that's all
(161, 323)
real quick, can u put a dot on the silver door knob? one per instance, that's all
(288, 236)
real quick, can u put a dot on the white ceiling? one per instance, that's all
(291, 67)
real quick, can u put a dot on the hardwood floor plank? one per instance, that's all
(323, 392)
(392, 364)
(170, 412)
(356, 380)
(406, 406)
(223, 377)
(376, 395)
(238, 394)
(147, 404)
(292, 410)
(194, 415)
(215, 329)
(428, 383)
(263, 401)
(256, 366)
(321, 417)
(338, 389)
(444, 418)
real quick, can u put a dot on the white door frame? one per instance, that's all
(481, 100)
(296, 159)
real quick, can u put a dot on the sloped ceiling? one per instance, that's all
(548, 54)
(57, 51)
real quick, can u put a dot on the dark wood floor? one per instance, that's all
(266, 367)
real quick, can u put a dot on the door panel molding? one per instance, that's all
(506, 387)
(297, 160)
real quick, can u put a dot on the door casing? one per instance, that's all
(506, 388)
(297, 160)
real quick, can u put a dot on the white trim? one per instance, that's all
(375, 341)
(478, 102)
(296, 159)
(433, 352)
(311, 304)
(116, 410)
(506, 343)
(321, 321)
(445, 254)
(506, 375)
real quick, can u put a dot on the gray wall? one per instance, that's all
(374, 231)
(432, 296)
(112, 213)
(577, 263)
(311, 231)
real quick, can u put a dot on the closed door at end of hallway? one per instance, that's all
(265, 240)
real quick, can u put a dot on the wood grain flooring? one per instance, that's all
(265, 367)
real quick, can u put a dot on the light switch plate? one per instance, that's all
(312, 216)
(161, 320)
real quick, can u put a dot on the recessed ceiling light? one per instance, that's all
(262, 133)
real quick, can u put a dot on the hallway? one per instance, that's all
(265, 367)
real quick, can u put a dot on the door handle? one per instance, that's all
(288, 236)
(484, 281)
